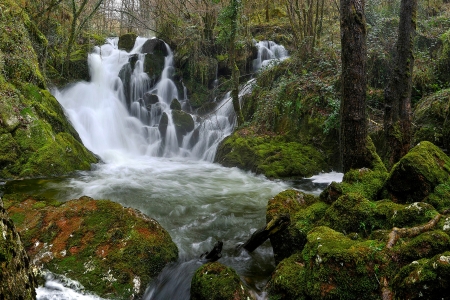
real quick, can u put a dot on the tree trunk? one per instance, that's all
(353, 105)
(397, 115)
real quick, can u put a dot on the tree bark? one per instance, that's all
(397, 114)
(353, 133)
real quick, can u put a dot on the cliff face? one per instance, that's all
(17, 280)
(35, 137)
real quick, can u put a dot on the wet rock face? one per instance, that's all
(111, 250)
(214, 281)
(17, 280)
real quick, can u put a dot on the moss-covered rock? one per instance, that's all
(275, 157)
(215, 281)
(331, 266)
(32, 122)
(17, 279)
(111, 250)
(126, 41)
(431, 119)
(427, 278)
(155, 52)
(175, 104)
(416, 175)
(304, 211)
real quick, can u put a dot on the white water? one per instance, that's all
(196, 201)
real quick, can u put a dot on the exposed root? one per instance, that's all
(397, 233)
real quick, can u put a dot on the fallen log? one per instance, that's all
(277, 224)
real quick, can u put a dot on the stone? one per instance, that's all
(126, 41)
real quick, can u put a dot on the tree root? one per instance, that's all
(397, 233)
(394, 236)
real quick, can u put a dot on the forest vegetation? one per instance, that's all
(371, 78)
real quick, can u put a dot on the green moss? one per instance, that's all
(425, 245)
(417, 174)
(214, 281)
(366, 182)
(338, 268)
(288, 281)
(350, 213)
(62, 155)
(275, 157)
(427, 278)
(440, 198)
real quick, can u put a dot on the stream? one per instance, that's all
(175, 182)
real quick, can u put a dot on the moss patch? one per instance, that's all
(214, 281)
(111, 250)
(275, 157)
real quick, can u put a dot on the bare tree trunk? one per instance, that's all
(353, 105)
(397, 115)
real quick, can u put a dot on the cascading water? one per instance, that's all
(118, 115)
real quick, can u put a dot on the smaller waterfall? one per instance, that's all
(268, 53)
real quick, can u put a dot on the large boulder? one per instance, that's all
(37, 139)
(156, 51)
(275, 157)
(215, 281)
(17, 279)
(430, 118)
(111, 250)
(416, 175)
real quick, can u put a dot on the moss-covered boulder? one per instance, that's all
(304, 210)
(155, 51)
(427, 278)
(431, 119)
(126, 41)
(416, 175)
(215, 281)
(175, 104)
(17, 279)
(111, 250)
(37, 139)
(331, 266)
(273, 156)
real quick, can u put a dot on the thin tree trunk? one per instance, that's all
(397, 117)
(353, 104)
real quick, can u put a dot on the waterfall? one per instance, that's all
(124, 112)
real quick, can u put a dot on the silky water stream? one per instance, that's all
(172, 181)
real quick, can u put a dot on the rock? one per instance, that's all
(17, 279)
(430, 118)
(183, 123)
(163, 123)
(37, 139)
(126, 41)
(427, 278)
(416, 175)
(331, 266)
(294, 203)
(275, 157)
(155, 46)
(214, 281)
(112, 251)
(150, 99)
(156, 51)
(175, 104)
